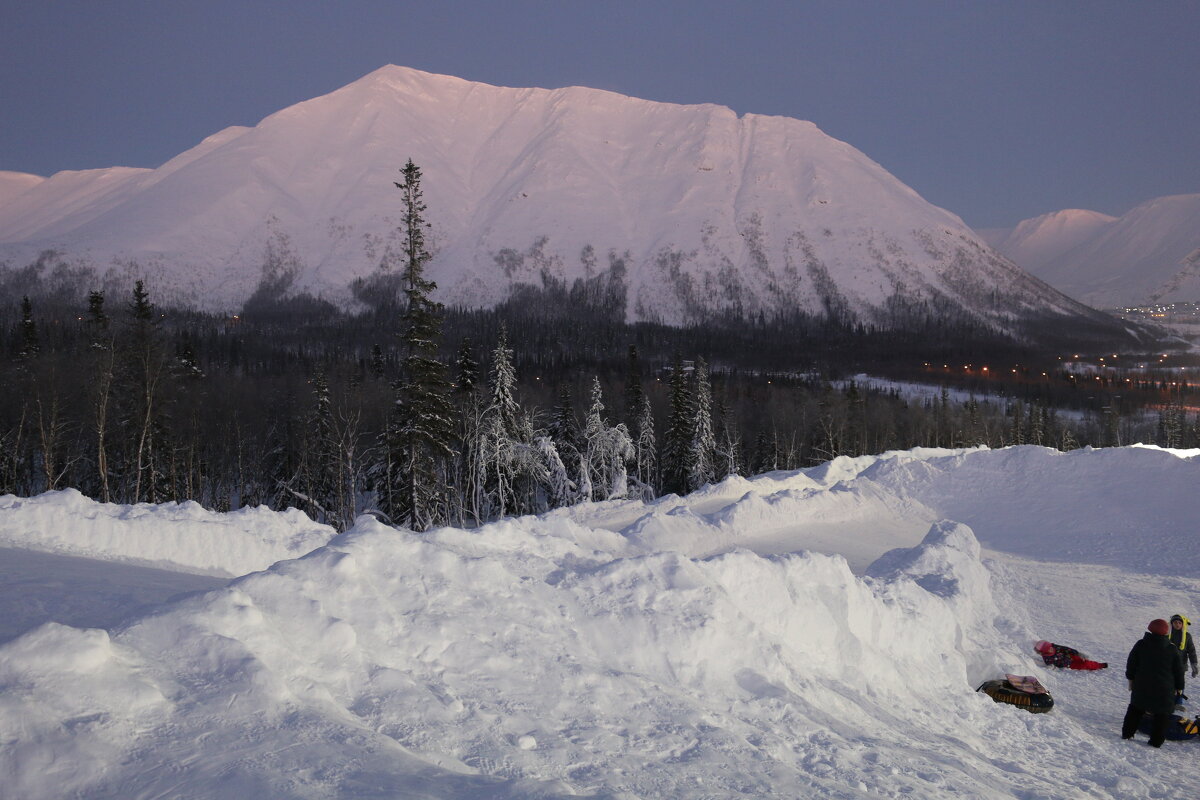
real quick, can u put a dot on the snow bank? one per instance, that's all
(183, 536)
(521, 651)
(1125, 507)
(694, 647)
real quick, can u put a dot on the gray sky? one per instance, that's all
(997, 111)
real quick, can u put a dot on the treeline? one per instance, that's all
(129, 403)
(425, 415)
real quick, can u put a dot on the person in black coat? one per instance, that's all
(1155, 673)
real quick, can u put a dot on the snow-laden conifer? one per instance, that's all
(512, 471)
(560, 489)
(646, 450)
(419, 433)
(701, 453)
(606, 451)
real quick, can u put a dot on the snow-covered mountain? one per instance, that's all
(695, 208)
(815, 634)
(1150, 254)
(1039, 242)
(13, 184)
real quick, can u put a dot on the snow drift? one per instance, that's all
(694, 647)
(183, 536)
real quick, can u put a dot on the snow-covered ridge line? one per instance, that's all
(182, 536)
(695, 209)
(1149, 254)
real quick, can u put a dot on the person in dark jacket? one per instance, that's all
(1155, 673)
(1183, 640)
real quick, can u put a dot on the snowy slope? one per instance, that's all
(182, 536)
(695, 207)
(716, 645)
(13, 184)
(1036, 244)
(1151, 253)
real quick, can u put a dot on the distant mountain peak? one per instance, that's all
(1139, 257)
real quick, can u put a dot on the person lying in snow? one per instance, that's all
(1063, 657)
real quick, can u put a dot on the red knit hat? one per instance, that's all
(1159, 626)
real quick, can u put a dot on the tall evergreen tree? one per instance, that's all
(466, 474)
(646, 450)
(500, 459)
(30, 346)
(421, 427)
(564, 429)
(466, 369)
(319, 484)
(103, 368)
(633, 387)
(503, 401)
(144, 372)
(1016, 430)
(703, 446)
(377, 367)
(678, 437)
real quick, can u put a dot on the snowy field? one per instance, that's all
(804, 634)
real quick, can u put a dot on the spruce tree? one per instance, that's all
(466, 369)
(145, 368)
(466, 461)
(502, 401)
(1016, 430)
(701, 451)
(646, 450)
(678, 438)
(564, 430)
(320, 468)
(633, 387)
(499, 437)
(103, 369)
(376, 362)
(421, 427)
(30, 347)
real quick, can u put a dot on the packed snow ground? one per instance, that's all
(807, 634)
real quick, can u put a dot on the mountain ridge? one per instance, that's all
(1149, 254)
(696, 209)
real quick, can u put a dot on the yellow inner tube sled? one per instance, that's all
(1004, 692)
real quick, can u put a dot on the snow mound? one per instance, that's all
(181, 536)
(693, 647)
(515, 652)
(1110, 506)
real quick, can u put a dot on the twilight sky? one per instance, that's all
(997, 111)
